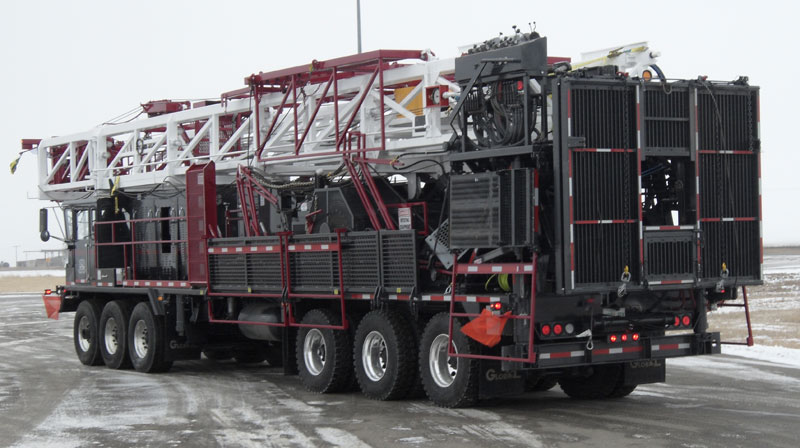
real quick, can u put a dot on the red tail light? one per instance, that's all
(557, 329)
(686, 320)
(612, 338)
(48, 291)
(635, 336)
(624, 337)
(546, 330)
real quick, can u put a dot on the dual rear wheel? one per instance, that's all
(387, 358)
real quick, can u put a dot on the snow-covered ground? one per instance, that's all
(32, 273)
(748, 396)
(782, 264)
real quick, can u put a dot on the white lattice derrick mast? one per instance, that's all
(258, 127)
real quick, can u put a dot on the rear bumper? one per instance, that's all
(662, 347)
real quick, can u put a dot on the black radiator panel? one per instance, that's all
(605, 116)
(728, 185)
(602, 251)
(728, 118)
(666, 119)
(491, 209)
(735, 243)
(670, 255)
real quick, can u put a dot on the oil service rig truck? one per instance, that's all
(493, 223)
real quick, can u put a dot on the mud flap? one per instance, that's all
(494, 382)
(644, 372)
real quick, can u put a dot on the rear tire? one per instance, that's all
(601, 383)
(622, 391)
(324, 356)
(385, 356)
(85, 333)
(113, 334)
(146, 341)
(448, 381)
(274, 354)
(217, 354)
(541, 384)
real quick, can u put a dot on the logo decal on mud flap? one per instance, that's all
(492, 375)
(649, 363)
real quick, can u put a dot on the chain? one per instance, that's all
(626, 199)
(719, 171)
(750, 122)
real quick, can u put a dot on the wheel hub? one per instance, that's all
(140, 343)
(84, 334)
(443, 367)
(374, 356)
(111, 336)
(314, 351)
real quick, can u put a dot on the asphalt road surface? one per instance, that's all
(47, 398)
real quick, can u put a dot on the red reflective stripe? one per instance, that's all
(569, 103)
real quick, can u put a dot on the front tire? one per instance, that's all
(113, 335)
(324, 356)
(85, 333)
(146, 341)
(385, 356)
(448, 381)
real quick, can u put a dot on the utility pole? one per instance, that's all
(16, 257)
(358, 14)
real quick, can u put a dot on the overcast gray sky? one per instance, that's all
(69, 65)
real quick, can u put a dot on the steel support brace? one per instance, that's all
(376, 196)
(373, 218)
(749, 341)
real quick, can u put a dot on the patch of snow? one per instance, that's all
(737, 370)
(777, 355)
(33, 273)
(339, 437)
(414, 440)
(781, 264)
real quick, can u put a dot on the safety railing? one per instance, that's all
(130, 246)
(494, 268)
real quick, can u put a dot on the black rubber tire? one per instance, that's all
(601, 383)
(90, 311)
(417, 390)
(253, 355)
(541, 384)
(463, 391)
(400, 356)
(152, 358)
(120, 312)
(218, 354)
(273, 354)
(337, 370)
(622, 391)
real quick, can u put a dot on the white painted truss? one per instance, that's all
(282, 131)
